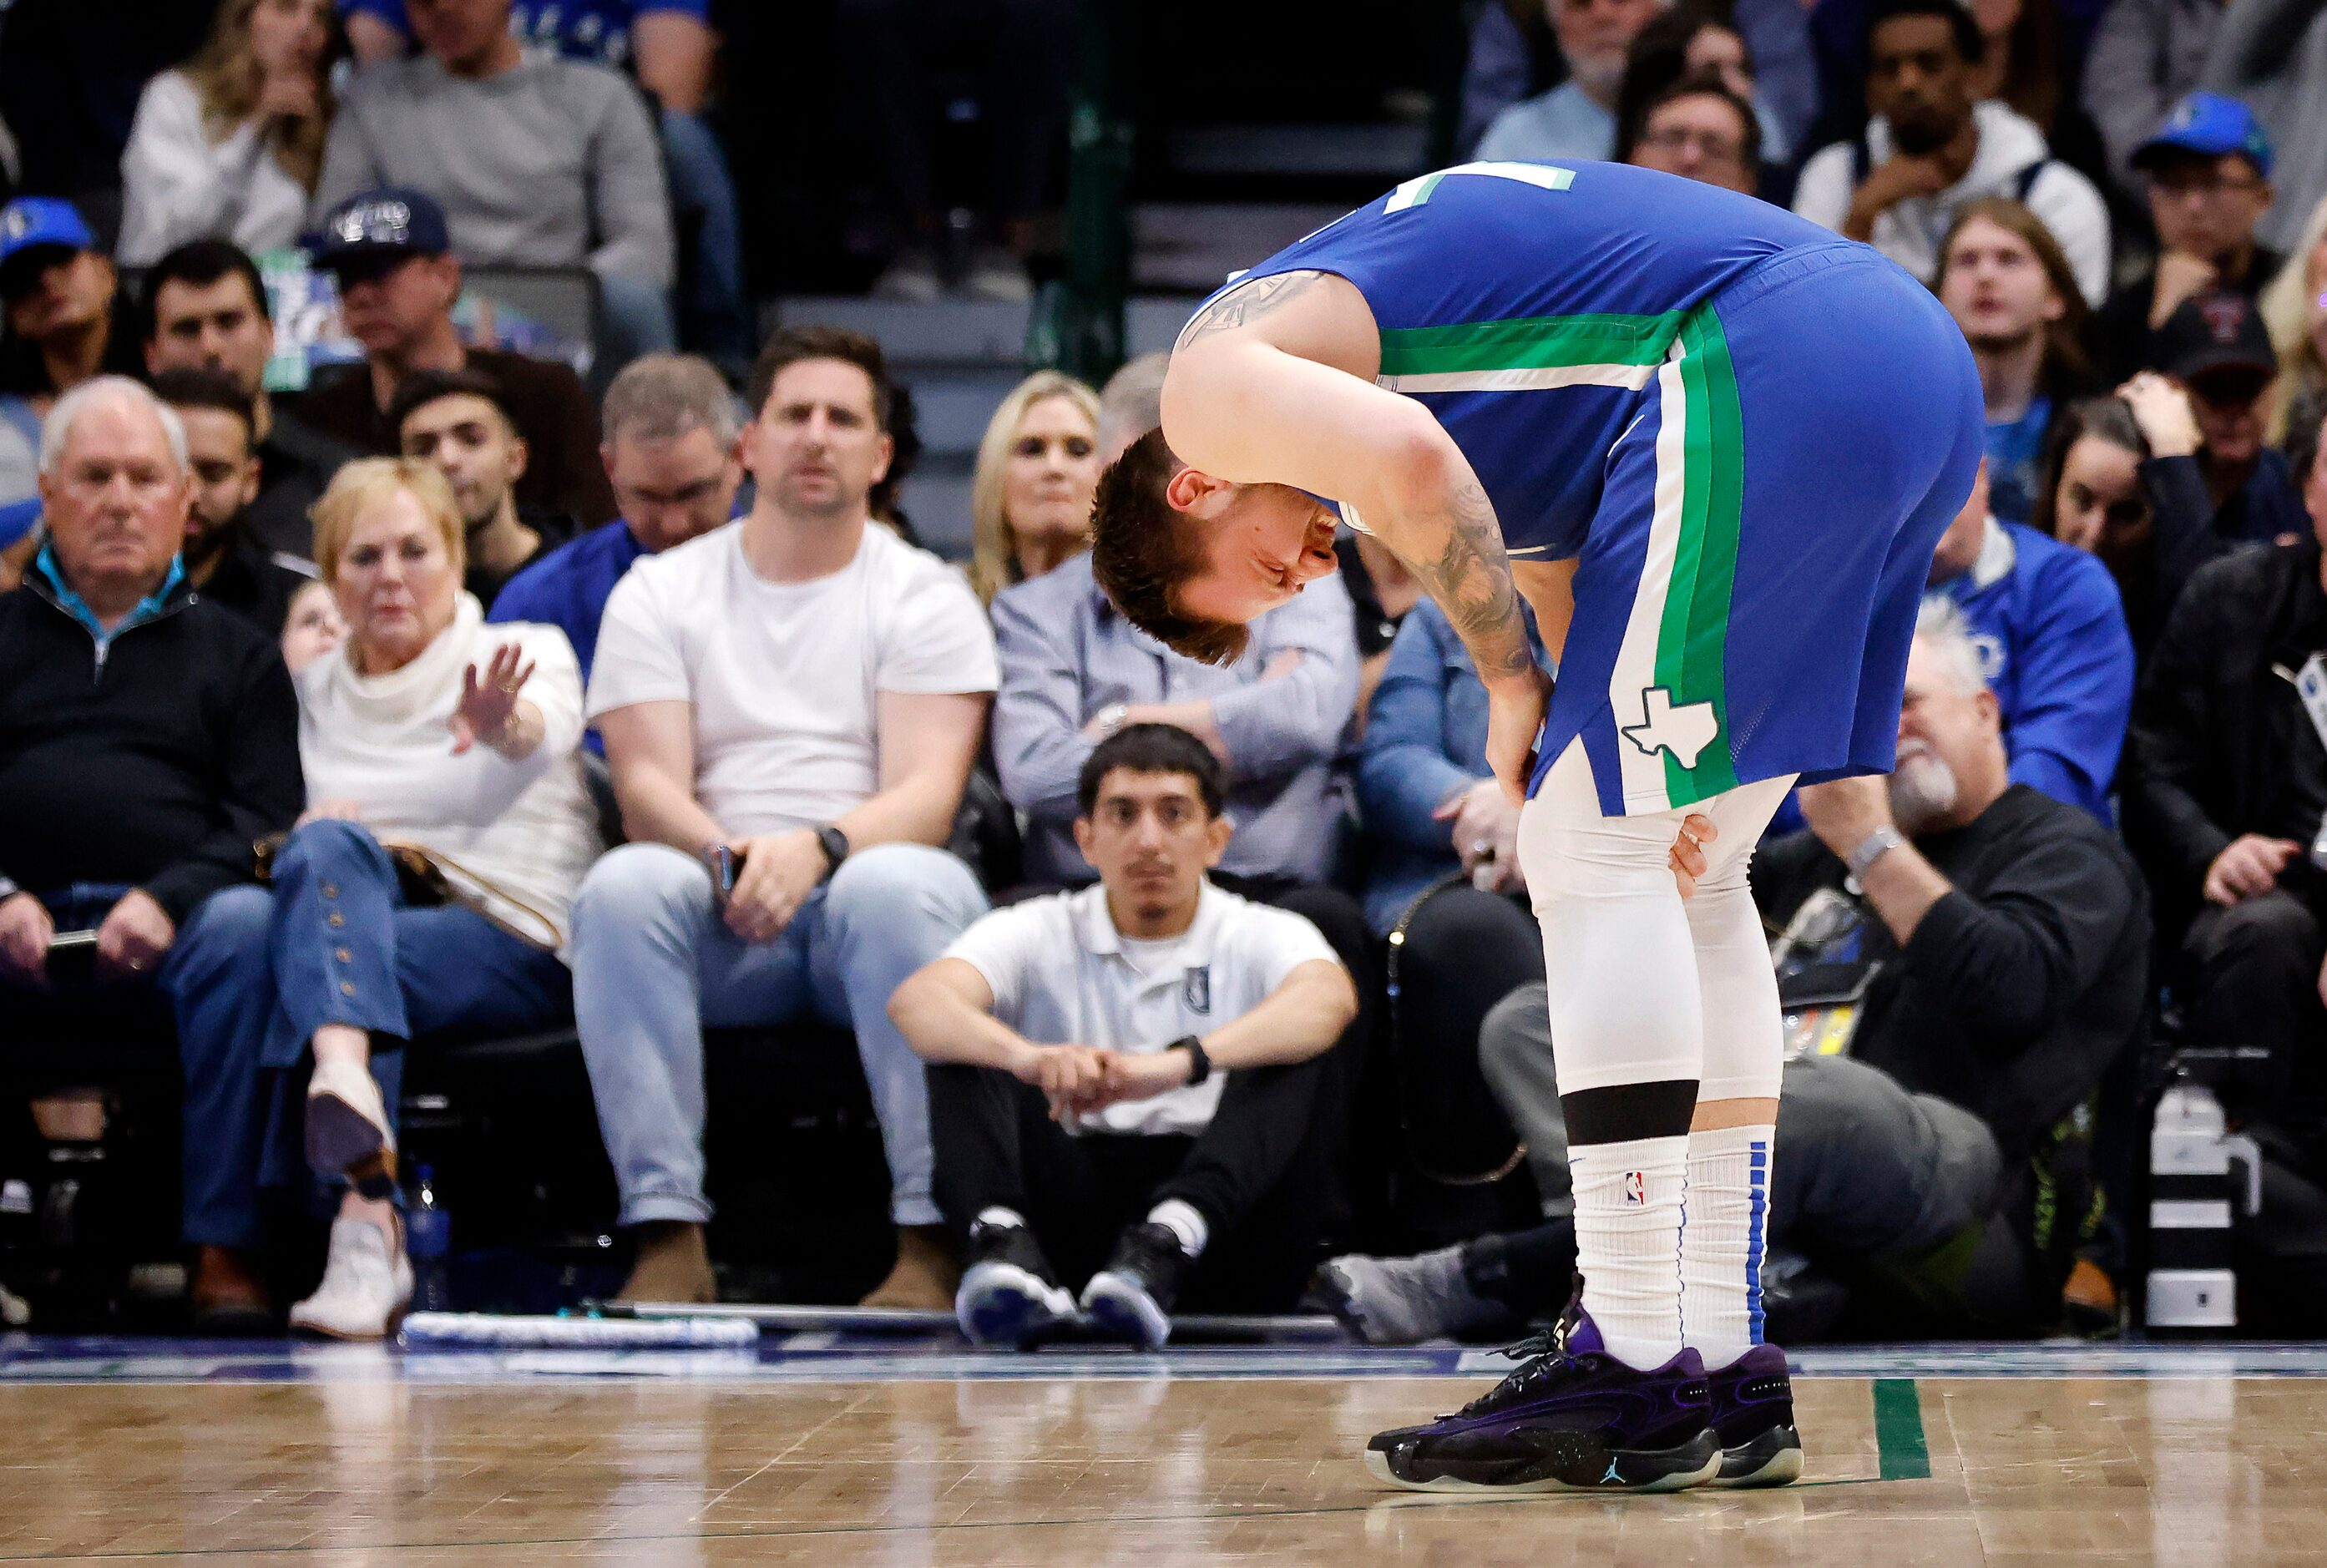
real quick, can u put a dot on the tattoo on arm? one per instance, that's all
(1472, 582)
(1245, 303)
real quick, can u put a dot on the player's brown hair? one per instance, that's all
(1142, 550)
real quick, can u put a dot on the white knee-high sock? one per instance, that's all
(1628, 1233)
(1723, 1238)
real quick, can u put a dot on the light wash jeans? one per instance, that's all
(654, 964)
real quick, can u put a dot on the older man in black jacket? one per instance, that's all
(2226, 804)
(147, 738)
(2007, 940)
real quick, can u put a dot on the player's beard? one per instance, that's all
(1923, 789)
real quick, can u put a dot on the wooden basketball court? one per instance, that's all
(808, 1450)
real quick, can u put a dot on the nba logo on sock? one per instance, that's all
(1636, 1187)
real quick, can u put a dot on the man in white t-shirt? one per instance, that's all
(1137, 1064)
(791, 706)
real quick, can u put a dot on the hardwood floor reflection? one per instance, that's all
(1152, 1474)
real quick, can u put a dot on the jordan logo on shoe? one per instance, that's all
(1685, 731)
(1612, 1475)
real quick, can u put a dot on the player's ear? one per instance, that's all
(1216, 833)
(1190, 490)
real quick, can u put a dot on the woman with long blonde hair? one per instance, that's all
(229, 143)
(1030, 498)
(2290, 308)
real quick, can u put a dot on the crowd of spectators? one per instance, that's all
(438, 698)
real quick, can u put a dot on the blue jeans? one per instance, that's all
(653, 964)
(714, 317)
(634, 320)
(332, 942)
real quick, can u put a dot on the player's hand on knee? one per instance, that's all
(1514, 709)
(1687, 859)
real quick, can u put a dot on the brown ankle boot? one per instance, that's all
(226, 1296)
(926, 1273)
(671, 1265)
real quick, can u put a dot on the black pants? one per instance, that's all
(1256, 1174)
(1463, 952)
(1017, 56)
(2253, 981)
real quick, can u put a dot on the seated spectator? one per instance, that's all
(2122, 480)
(1699, 128)
(537, 161)
(1019, 54)
(229, 143)
(2007, 937)
(2054, 651)
(670, 429)
(2214, 347)
(1074, 671)
(2272, 54)
(460, 421)
(2209, 168)
(222, 558)
(1130, 405)
(128, 804)
(2224, 795)
(1692, 39)
(1442, 873)
(2009, 288)
(1931, 149)
(206, 308)
(790, 706)
(1578, 118)
(426, 890)
(315, 628)
(64, 313)
(1128, 1077)
(398, 285)
(2294, 306)
(2145, 57)
(669, 48)
(1030, 496)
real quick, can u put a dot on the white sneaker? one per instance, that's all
(911, 279)
(366, 1285)
(998, 277)
(347, 1129)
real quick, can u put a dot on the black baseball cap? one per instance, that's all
(2213, 331)
(387, 221)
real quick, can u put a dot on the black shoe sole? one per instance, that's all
(342, 1141)
(1672, 1469)
(1774, 1459)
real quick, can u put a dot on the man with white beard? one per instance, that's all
(2009, 936)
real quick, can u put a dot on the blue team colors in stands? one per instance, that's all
(1751, 435)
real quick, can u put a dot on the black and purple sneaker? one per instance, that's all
(1573, 1419)
(1753, 1418)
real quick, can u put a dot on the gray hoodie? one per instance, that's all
(2147, 54)
(1911, 232)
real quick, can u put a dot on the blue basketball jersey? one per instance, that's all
(1528, 305)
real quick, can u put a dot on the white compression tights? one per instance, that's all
(1647, 988)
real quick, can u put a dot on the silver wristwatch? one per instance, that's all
(1111, 717)
(1871, 848)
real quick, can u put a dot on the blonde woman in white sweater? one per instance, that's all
(437, 751)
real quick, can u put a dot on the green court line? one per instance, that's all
(1905, 1456)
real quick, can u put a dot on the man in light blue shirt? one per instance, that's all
(1578, 118)
(1074, 671)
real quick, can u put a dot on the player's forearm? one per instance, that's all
(1442, 524)
(941, 1026)
(1299, 1019)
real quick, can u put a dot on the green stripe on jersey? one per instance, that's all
(1528, 344)
(1692, 642)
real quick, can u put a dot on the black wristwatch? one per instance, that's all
(1200, 1065)
(835, 843)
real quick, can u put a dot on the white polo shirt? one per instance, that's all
(1062, 974)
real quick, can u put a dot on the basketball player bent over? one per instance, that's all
(1713, 446)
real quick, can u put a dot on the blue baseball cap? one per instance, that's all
(30, 222)
(2210, 126)
(386, 220)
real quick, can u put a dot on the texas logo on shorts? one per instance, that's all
(1683, 731)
